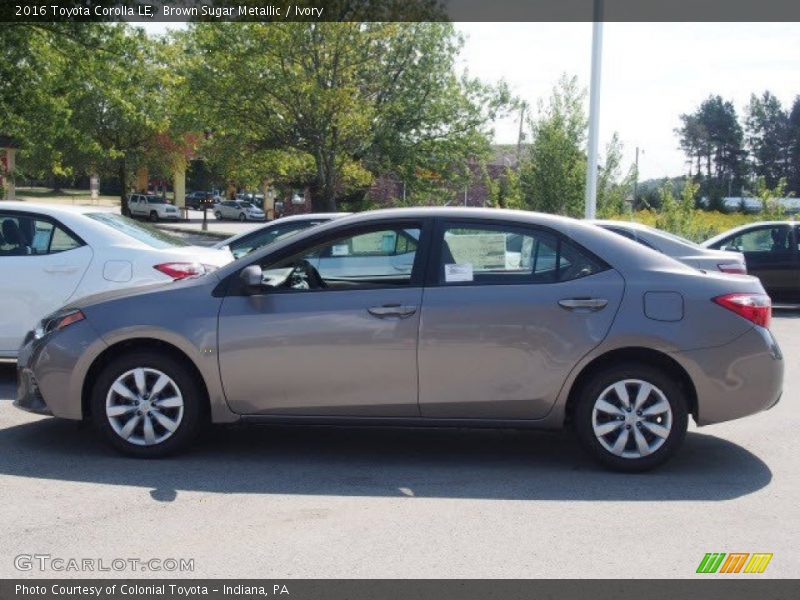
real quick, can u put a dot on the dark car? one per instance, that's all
(771, 252)
(199, 200)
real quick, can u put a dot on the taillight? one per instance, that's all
(735, 268)
(181, 270)
(756, 308)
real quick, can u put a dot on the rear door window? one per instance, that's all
(498, 254)
(27, 235)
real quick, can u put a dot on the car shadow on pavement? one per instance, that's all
(424, 463)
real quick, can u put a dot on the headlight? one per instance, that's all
(58, 321)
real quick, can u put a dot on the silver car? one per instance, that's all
(504, 319)
(679, 248)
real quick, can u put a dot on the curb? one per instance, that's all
(218, 235)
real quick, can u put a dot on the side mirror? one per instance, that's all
(252, 276)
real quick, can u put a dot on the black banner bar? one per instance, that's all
(143, 11)
(711, 588)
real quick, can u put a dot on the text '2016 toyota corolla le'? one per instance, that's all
(411, 317)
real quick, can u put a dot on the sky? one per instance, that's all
(651, 73)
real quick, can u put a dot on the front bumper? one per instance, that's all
(738, 379)
(50, 370)
(29, 397)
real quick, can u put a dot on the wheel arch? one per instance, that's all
(641, 355)
(140, 344)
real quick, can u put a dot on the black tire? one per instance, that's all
(600, 382)
(153, 216)
(218, 216)
(193, 418)
(242, 217)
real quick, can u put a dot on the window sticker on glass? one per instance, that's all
(458, 272)
(340, 250)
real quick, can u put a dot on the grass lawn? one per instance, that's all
(74, 197)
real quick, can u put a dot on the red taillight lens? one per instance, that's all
(181, 270)
(756, 308)
(735, 268)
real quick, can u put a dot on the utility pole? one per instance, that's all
(519, 138)
(636, 177)
(594, 111)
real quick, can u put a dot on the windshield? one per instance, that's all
(268, 235)
(146, 234)
(246, 205)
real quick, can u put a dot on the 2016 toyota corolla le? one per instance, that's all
(409, 317)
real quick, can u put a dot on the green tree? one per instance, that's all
(793, 135)
(677, 214)
(712, 140)
(119, 104)
(553, 172)
(356, 99)
(612, 189)
(767, 127)
(771, 207)
(505, 191)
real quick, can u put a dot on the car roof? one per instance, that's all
(745, 227)
(52, 210)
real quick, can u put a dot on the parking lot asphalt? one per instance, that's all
(314, 502)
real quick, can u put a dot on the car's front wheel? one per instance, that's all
(147, 404)
(632, 417)
(242, 217)
(218, 215)
(153, 216)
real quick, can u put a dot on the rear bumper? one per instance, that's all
(738, 379)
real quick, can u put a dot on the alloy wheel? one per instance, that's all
(144, 406)
(632, 418)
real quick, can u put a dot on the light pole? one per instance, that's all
(594, 111)
(636, 177)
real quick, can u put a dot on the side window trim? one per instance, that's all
(436, 245)
(48, 219)
(421, 258)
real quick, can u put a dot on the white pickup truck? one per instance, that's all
(154, 208)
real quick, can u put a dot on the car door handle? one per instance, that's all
(583, 304)
(62, 269)
(392, 310)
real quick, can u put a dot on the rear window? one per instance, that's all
(155, 238)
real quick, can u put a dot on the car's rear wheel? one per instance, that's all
(147, 405)
(632, 417)
(242, 217)
(153, 216)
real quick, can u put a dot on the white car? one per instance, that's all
(235, 209)
(678, 248)
(50, 255)
(154, 208)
